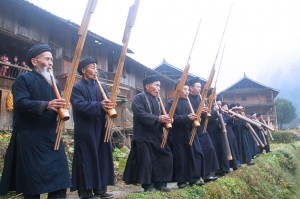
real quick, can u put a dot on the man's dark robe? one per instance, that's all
(241, 136)
(188, 160)
(210, 156)
(147, 161)
(31, 164)
(91, 154)
(215, 133)
(254, 149)
(261, 136)
(235, 162)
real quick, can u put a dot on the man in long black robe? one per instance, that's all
(188, 159)
(216, 136)
(148, 163)
(210, 157)
(93, 162)
(32, 166)
(259, 117)
(235, 162)
(241, 135)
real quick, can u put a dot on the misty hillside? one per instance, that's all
(287, 81)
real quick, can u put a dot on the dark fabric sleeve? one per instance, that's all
(181, 119)
(79, 104)
(22, 99)
(141, 114)
(213, 115)
(178, 118)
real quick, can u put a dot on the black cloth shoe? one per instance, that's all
(199, 183)
(163, 189)
(250, 163)
(181, 185)
(211, 178)
(151, 189)
(105, 195)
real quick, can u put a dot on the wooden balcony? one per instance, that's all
(8, 74)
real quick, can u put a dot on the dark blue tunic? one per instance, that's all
(91, 153)
(235, 162)
(254, 149)
(215, 133)
(241, 134)
(209, 152)
(147, 161)
(39, 169)
(188, 160)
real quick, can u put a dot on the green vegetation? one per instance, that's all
(285, 137)
(286, 111)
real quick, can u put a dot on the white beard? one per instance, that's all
(45, 73)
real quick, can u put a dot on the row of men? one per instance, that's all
(32, 167)
(180, 161)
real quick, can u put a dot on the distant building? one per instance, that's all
(175, 74)
(254, 97)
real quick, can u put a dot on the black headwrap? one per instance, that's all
(185, 84)
(191, 82)
(83, 63)
(150, 79)
(36, 50)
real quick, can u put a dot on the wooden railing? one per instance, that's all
(11, 71)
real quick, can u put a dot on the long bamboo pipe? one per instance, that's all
(112, 113)
(63, 113)
(196, 122)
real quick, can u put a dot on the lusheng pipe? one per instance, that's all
(63, 113)
(112, 113)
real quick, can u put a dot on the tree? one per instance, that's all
(286, 112)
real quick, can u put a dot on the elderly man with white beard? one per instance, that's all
(32, 167)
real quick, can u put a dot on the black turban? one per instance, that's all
(150, 79)
(83, 63)
(185, 83)
(36, 50)
(258, 114)
(191, 82)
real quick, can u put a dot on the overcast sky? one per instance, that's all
(262, 36)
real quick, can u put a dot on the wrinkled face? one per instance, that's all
(254, 117)
(90, 71)
(43, 61)
(184, 92)
(225, 107)
(237, 111)
(153, 88)
(195, 89)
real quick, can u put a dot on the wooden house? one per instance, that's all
(22, 24)
(175, 74)
(254, 97)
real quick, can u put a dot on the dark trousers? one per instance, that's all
(59, 194)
